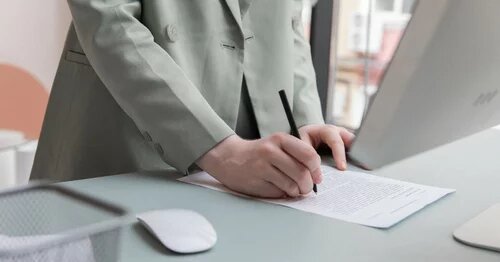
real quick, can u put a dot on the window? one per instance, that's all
(367, 34)
(394, 6)
(407, 6)
(384, 5)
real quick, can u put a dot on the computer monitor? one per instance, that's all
(441, 85)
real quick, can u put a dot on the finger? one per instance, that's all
(306, 137)
(283, 182)
(332, 138)
(294, 170)
(347, 137)
(264, 189)
(301, 152)
(317, 176)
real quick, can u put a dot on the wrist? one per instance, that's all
(216, 156)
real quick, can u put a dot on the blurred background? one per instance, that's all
(363, 37)
(368, 34)
(29, 55)
(352, 42)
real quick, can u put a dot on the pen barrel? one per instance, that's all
(288, 111)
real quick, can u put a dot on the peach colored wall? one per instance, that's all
(22, 101)
(32, 34)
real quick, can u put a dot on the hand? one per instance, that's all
(337, 138)
(276, 166)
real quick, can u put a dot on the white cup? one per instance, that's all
(9, 139)
(25, 155)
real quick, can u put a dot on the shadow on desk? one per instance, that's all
(154, 243)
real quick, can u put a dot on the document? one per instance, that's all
(351, 196)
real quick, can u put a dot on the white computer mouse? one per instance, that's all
(180, 230)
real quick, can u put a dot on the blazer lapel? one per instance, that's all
(234, 7)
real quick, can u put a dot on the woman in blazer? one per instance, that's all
(155, 84)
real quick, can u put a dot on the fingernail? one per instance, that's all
(344, 165)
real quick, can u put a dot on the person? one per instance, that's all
(148, 85)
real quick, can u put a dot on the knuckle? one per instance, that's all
(310, 154)
(295, 193)
(306, 188)
(302, 170)
(333, 128)
(277, 137)
(311, 158)
(274, 138)
(315, 162)
(266, 149)
(337, 142)
(291, 189)
(288, 186)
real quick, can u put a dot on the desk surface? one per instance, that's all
(255, 231)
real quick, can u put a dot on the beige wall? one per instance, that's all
(32, 35)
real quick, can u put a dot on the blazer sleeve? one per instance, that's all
(306, 103)
(145, 81)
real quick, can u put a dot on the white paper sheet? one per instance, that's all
(351, 196)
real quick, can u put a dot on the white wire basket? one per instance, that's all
(45, 223)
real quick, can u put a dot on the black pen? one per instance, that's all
(293, 127)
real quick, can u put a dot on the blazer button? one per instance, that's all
(159, 149)
(171, 33)
(147, 137)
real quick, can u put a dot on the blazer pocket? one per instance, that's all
(76, 57)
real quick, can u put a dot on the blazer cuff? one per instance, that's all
(312, 120)
(196, 147)
(307, 111)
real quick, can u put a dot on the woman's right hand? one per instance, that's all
(272, 167)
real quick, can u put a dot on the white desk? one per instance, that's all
(255, 231)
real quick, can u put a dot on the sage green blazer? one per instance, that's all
(153, 84)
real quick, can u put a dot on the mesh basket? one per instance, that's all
(52, 223)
